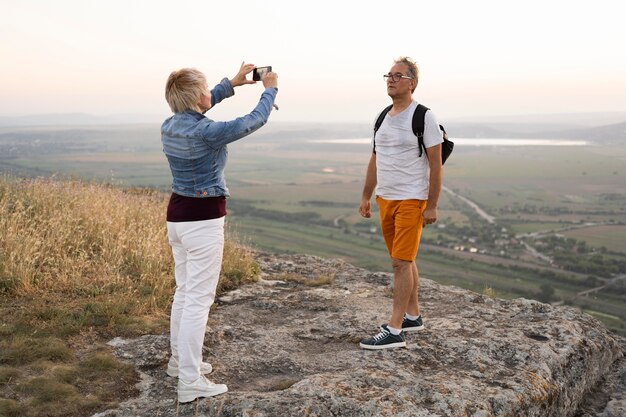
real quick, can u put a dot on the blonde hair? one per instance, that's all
(414, 72)
(184, 88)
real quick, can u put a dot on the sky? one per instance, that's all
(476, 58)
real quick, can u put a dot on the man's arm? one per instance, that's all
(434, 187)
(368, 189)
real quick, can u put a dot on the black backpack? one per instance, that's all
(418, 129)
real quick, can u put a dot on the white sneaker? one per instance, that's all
(201, 387)
(172, 368)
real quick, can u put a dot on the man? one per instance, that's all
(407, 191)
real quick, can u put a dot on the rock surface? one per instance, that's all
(287, 346)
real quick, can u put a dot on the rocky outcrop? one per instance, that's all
(288, 346)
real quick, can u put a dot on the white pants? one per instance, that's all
(198, 248)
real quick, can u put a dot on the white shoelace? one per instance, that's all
(381, 335)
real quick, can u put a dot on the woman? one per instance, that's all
(195, 147)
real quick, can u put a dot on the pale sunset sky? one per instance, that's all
(476, 58)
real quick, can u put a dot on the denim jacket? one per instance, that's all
(195, 145)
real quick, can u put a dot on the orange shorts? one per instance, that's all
(401, 224)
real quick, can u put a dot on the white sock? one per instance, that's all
(410, 317)
(393, 331)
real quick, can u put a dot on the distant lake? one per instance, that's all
(475, 142)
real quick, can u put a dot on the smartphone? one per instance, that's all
(260, 71)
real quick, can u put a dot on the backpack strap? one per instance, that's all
(381, 117)
(379, 122)
(418, 126)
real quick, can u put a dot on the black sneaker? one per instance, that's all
(409, 325)
(384, 340)
(412, 325)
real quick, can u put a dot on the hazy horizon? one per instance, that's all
(535, 121)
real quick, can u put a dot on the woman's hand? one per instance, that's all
(240, 78)
(270, 80)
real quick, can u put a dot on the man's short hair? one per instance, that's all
(414, 72)
(184, 88)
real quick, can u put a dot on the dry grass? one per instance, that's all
(489, 292)
(79, 263)
(317, 281)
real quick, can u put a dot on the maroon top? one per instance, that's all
(192, 209)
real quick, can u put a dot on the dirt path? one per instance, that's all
(482, 213)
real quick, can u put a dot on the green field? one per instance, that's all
(291, 195)
(610, 237)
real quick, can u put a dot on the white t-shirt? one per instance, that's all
(401, 173)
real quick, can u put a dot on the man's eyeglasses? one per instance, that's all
(396, 77)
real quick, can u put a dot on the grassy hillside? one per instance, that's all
(79, 264)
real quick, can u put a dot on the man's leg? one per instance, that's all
(385, 339)
(404, 285)
(413, 307)
(407, 233)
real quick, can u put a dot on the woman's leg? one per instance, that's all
(203, 242)
(180, 274)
